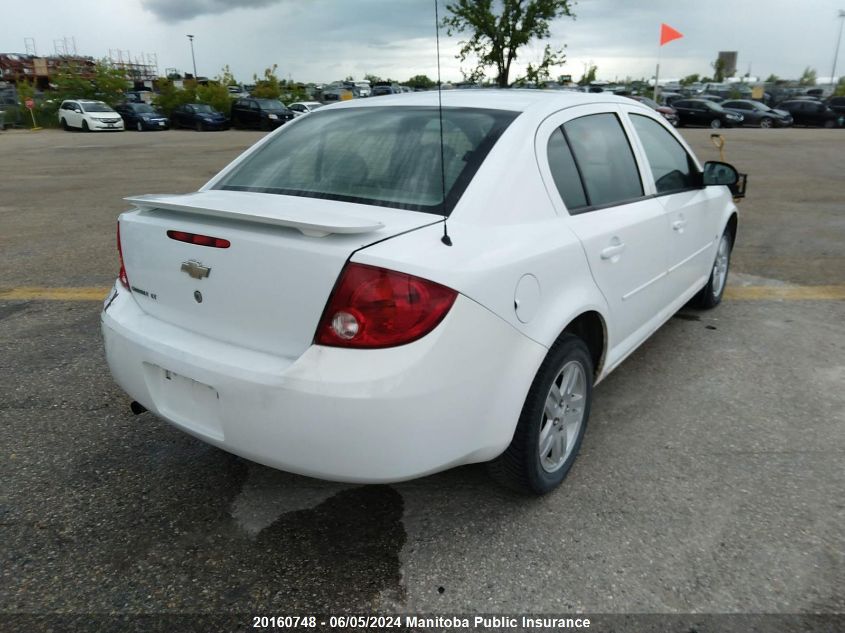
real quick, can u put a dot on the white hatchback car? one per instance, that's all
(88, 116)
(312, 309)
(304, 107)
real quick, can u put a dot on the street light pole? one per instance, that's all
(836, 54)
(194, 59)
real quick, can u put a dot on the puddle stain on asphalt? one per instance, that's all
(143, 523)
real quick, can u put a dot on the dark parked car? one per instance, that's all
(708, 97)
(756, 113)
(816, 113)
(668, 112)
(142, 116)
(262, 114)
(837, 104)
(199, 116)
(668, 98)
(703, 112)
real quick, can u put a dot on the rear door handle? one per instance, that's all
(678, 225)
(611, 251)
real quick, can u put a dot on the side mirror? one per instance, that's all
(718, 173)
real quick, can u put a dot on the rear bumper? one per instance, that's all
(450, 398)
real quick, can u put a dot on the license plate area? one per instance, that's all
(186, 402)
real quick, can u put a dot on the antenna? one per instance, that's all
(445, 239)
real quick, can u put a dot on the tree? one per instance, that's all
(589, 75)
(420, 81)
(373, 79)
(719, 70)
(690, 79)
(808, 77)
(497, 35)
(215, 94)
(267, 87)
(170, 97)
(840, 88)
(773, 78)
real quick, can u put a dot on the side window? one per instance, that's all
(604, 158)
(565, 173)
(673, 169)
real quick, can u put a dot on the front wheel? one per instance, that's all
(716, 124)
(200, 126)
(766, 122)
(139, 126)
(85, 127)
(830, 123)
(711, 295)
(65, 126)
(552, 423)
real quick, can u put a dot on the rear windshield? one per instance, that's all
(387, 156)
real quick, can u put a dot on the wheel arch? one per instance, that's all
(591, 327)
(731, 226)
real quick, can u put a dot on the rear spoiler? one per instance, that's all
(301, 214)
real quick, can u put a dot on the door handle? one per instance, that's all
(678, 225)
(612, 251)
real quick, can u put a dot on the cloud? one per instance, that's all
(187, 9)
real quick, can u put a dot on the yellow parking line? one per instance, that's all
(785, 293)
(737, 293)
(54, 294)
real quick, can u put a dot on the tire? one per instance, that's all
(200, 126)
(65, 126)
(716, 124)
(524, 466)
(139, 126)
(766, 122)
(85, 127)
(711, 295)
(829, 124)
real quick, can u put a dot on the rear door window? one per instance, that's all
(565, 173)
(604, 159)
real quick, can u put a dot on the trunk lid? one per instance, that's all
(268, 289)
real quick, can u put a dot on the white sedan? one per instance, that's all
(338, 303)
(304, 107)
(89, 116)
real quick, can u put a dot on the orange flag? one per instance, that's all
(667, 34)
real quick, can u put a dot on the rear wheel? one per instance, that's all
(830, 123)
(716, 124)
(65, 126)
(552, 423)
(766, 122)
(200, 126)
(711, 295)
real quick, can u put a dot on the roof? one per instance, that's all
(515, 100)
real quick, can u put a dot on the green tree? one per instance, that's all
(808, 77)
(497, 33)
(170, 97)
(268, 87)
(773, 78)
(840, 88)
(372, 78)
(719, 70)
(690, 79)
(589, 75)
(420, 81)
(216, 95)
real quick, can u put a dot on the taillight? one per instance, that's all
(122, 274)
(373, 307)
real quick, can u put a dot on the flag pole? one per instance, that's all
(657, 72)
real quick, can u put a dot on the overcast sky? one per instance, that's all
(324, 40)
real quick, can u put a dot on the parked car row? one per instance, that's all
(265, 114)
(268, 114)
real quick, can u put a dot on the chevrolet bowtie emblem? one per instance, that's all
(195, 269)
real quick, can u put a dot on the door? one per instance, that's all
(74, 114)
(595, 179)
(692, 214)
(254, 115)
